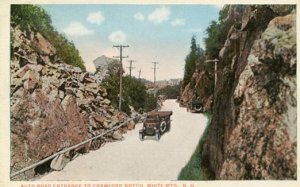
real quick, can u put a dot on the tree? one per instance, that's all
(190, 61)
(134, 94)
(172, 92)
(31, 16)
(216, 35)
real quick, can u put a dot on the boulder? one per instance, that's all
(82, 76)
(43, 46)
(117, 135)
(21, 72)
(25, 60)
(111, 110)
(99, 118)
(92, 85)
(99, 97)
(108, 124)
(69, 91)
(65, 102)
(106, 101)
(52, 96)
(121, 117)
(61, 94)
(59, 162)
(33, 80)
(83, 101)
(92, 90)
(92, 122)
(79, 94)
(131, 125)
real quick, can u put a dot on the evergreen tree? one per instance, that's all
(190, 61)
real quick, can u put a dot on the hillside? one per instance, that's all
(54, 105)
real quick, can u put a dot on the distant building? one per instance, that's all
(173, 82)
(163, 83)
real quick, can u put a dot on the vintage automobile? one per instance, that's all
(155, 124)
(195, 106)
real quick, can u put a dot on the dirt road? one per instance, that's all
(133, 159)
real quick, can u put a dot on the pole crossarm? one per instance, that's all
(214, 60)
(122, 56)
(120, 46)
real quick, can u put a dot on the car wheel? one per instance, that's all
(163, 126)
(198, 108)
(168, 127)
(141, 136)
(157, 136)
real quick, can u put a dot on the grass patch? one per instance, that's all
(193, 170)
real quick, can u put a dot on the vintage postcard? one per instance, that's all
(148, 94)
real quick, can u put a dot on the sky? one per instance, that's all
(154, 33)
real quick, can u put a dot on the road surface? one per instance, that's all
(132, 159)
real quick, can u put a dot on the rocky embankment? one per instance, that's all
(53, 106)
(252, 134)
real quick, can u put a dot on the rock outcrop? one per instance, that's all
(200, 87)
(53, 105)
(252, 134)
(106, 66)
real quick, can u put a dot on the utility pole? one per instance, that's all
(130, 67)
(215, 61)
(154, 72)
(140, 74)
(121, 71)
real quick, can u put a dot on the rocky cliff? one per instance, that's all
(53, 105)
(200, 86)
(252, 134)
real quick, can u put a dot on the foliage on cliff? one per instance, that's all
(134, 93)
(216, 35)
(33, 17)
